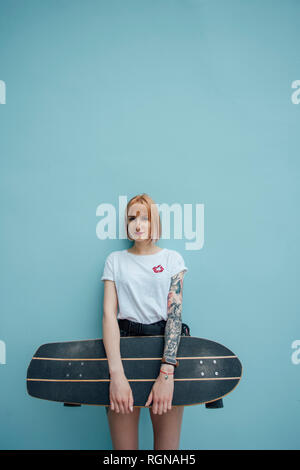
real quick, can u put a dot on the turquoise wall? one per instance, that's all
(192, 102)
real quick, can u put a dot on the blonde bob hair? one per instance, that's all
(153, 215)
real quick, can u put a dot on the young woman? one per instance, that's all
(146, 283)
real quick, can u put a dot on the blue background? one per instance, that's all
(190, 102)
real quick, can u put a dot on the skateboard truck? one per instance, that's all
(215, 404)
(71, 404)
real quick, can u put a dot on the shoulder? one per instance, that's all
(174, 255)
(116, 253)
(113, 255)
(176, 263)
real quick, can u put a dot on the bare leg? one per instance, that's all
(166, 428)
(124, 429)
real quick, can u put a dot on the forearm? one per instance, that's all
(111, 341)
(174, 323)
(172, 333)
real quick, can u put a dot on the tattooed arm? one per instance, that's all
(162, 391)
(174, 323)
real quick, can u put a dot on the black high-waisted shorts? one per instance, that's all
(130, 328)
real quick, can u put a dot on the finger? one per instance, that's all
(130, 404)
(111, 403)
(149, 399)
(121, 407)
(155, 407)
(125, 406)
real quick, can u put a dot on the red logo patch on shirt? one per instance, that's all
(158, 268)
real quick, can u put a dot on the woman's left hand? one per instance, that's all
(162, 393)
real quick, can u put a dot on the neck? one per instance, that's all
(142, 248)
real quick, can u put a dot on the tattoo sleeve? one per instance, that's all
(174, 322)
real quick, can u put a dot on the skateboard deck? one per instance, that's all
(76, 372)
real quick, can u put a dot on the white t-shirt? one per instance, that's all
(143, 282)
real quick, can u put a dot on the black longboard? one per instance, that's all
(76, 372)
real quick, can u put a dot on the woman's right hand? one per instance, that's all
(120, 394)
